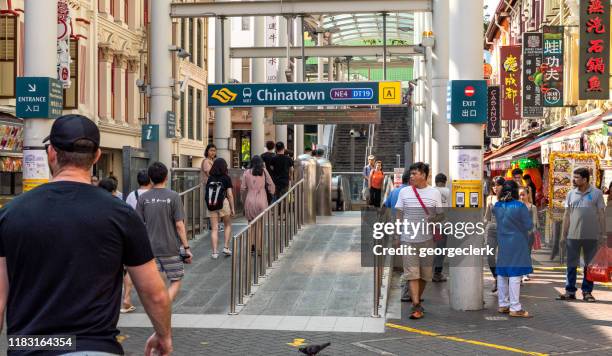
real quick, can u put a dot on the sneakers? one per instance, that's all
(215, 256)
(520, 314)
(503, 310)
(588, 297)
(526, 278)
(227, 251)
(567, 296)
(438, 277)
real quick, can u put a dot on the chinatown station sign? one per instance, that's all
(510, 80)
(594, 77)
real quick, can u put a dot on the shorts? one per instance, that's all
(172, 266)
(225, 211)
(416, 267)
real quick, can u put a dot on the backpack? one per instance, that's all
(215, 194)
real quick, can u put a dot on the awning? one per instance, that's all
(507, 148)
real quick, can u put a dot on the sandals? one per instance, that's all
(588, 297)
(567, 296)
(417, 312)
(520, 314)
(503, 310)
(127, 310)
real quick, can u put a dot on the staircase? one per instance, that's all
(389, 139)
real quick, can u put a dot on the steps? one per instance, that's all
(389, 139)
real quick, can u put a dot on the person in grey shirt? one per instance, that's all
(162, 212)
(584, 225)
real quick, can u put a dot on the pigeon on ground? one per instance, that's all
(313, 349)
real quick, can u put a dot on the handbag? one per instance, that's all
(600, 268)
(537, 240)
(437, 236)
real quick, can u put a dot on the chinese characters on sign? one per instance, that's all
(510, 82)
(533, 74)
(594, 78)
(64, 32)
(552, 87)
(271, 41)
(493, 121)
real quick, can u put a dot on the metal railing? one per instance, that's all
(355, 182)
(259, 244)
(380, 261)
(193, 206)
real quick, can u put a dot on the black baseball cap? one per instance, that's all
(68, 129)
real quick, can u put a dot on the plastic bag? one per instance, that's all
(600, 268)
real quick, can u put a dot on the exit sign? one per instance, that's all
(467, 101)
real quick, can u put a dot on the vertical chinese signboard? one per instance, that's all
(271, 41)
(533, 76)
(510, 82)
(594, 78)
(552, 88)
(493, 120)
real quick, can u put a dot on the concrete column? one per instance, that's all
(119, 11)
(427, 69)
(320, 128)
(465, 54)
(223, 117)
(133, 95)
(258, 73)
(40, 61)
(161, 74)
(418, 93)
(299, 76)
(439, 85)
(281, 130)
(105, 63)
(120, 92)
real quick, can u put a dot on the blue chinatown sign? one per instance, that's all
(467, 101)
(305, 94)
(39, 97)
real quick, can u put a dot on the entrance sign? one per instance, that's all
(510, 82)
(305, 94)
(594, 70)
(467, 101)
(533, 74)
(493, 120)
(552, 89)
(327, 116)
(39, 97)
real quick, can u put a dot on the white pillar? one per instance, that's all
(161, 74)
(223, 116)
(105, 63)
(298, 77)
(133, 95)
(40, 61)
(120, 93)
(258, 72)
(427, 69)
(281, 130)
(465, 53)
(418, 92)
(320, 128)
(439, 85)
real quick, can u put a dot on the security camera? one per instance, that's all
(419, 48)
(182, 53)
(354, 133)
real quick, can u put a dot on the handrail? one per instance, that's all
(260, 243)
(190, 190)
(193, 207)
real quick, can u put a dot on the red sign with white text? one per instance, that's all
(594, 77)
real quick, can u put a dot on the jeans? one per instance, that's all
(439, 259)
(492, 242)
(589, 248)
(508, 292)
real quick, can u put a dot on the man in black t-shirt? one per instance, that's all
(282, 170)
(63, 246)
(268, 158)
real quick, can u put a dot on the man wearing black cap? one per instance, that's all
(63, 246)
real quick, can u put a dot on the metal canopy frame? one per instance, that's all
(295, 7)
(323, 51)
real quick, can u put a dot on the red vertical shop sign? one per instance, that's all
(510, 82)
(594, 78)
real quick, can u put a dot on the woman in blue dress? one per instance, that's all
(513, 261)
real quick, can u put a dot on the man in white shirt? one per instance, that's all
(144, 183)
(418, 205)
(439, 259)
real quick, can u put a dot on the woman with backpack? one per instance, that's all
(255, 181)
(220, 203)
(209, 157)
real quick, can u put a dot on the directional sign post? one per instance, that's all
(39, 97)
(305, 94)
